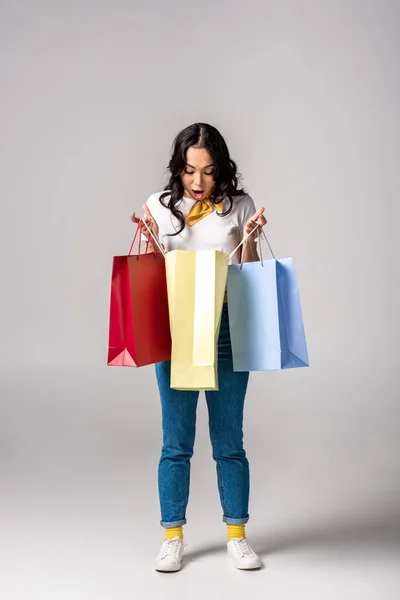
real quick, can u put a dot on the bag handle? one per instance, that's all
(139, 231)
(261, 231)
(155, 238)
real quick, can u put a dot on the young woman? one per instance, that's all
(203, 208)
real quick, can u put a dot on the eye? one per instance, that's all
(189, 172)
(210, 173)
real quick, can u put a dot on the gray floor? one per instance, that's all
(79, 505)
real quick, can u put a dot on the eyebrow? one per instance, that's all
(210, 165)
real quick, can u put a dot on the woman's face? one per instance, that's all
(198, 174)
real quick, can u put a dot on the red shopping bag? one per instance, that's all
(139, 330)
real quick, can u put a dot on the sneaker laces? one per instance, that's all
(172, 547)
(244, 547)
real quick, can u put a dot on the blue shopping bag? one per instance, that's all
(265, 317)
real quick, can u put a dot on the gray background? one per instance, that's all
(306, 94)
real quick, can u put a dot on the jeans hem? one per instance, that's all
(173, 523)
(230, 521)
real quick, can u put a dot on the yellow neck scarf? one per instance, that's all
(202, 208)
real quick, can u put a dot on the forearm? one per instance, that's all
(249, 250)
(150, 247)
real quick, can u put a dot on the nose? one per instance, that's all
(197, 179)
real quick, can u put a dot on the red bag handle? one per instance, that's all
(139, 230)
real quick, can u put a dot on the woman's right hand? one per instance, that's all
(148, 222)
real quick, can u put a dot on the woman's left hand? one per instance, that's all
(257, 219)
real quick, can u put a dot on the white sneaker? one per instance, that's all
(170, 556)
(243, 554)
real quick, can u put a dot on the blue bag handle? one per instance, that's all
(261, 231)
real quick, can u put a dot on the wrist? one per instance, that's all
(152, 247)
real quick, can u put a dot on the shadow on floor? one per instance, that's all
(375, 533)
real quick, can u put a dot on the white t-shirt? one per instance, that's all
(210, 233)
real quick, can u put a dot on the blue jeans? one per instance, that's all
(225, 410)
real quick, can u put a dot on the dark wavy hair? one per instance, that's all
(226, 176)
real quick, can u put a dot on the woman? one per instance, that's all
(203, 208)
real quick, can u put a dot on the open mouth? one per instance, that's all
(198, 194)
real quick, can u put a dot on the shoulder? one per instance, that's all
(155, 198)
(244, 205)
(154, 204)
(243, 200)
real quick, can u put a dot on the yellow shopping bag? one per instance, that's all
(196, 283)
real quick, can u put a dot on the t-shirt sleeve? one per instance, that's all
(247, 212)
(150, 202)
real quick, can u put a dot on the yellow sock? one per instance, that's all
(235, 531)
(171, 532)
